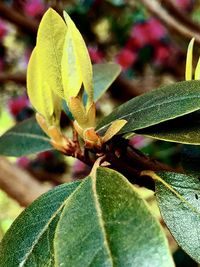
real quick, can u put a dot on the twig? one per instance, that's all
(19, 184)
(179, 14)
(24, 23)
(171, 22)
(17, 78)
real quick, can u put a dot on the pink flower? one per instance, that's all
(156, 30)
(139, 141)
(145, 33)
(126, 58)
(185, 5)
(46, 155)
(95, 55)
(140, 35)
(3, 29)
(162, 55)
(34, 8)
(16, 104)
(23, 162)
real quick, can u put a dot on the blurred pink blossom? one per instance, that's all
(95, 55)
(34, 8)
(16, 104)
(147, 32)
(23, 162)
(3, 29)
(162, 55)
(185, 5)
(126, 58)
(139, 141)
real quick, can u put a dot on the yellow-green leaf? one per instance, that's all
(76, 64)
(40, 94)
(50, 43)
(38, 91)
(115, 127)
(188, 69)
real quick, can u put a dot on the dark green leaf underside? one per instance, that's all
(165, 103)
(185, 130)
(181, 212)
(23, 139)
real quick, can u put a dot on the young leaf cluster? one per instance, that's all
(102, 221)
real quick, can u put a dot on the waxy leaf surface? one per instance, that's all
(157, 106)
(184, 130)
(180, 209)
(99, 222)
(106, 223)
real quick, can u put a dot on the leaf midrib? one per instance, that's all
(150, 107)
(101, 220)
(27, 135)
(46, 226)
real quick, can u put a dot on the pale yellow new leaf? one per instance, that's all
(40, 94)
(76, 63)
(188, 69)
(115, 127)
(197, 71)
(50, 42)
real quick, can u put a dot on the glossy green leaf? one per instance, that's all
(29, 241)
(185, 130)
(180, 209)
(103, 76)
(157, 106)
(106, 223)
(25, 138)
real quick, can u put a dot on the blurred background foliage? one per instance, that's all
(150, 49)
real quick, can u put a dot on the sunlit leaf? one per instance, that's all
(76, 64)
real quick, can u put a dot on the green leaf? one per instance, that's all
(106, 223)
(185, 130)
(178, 200)
(24, 138)
(29, 241)
(103, 76)
(157, 106)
